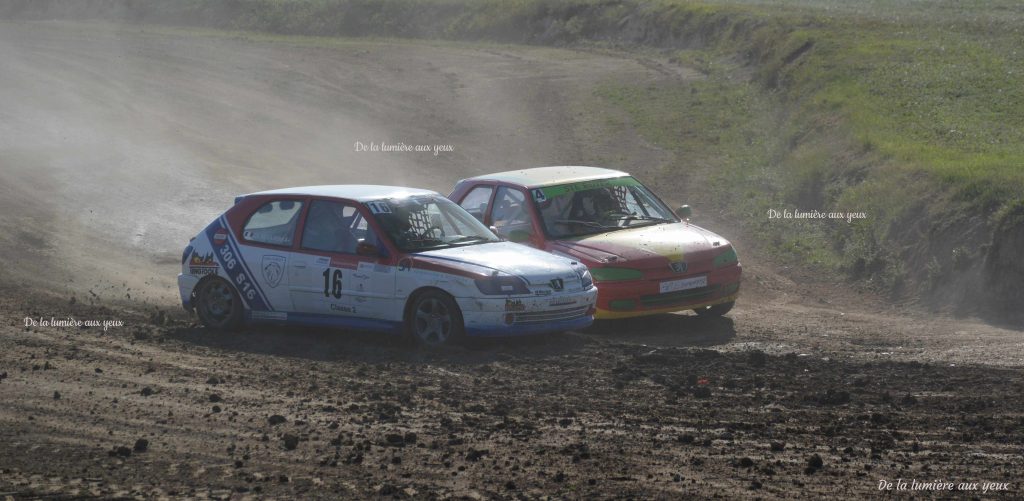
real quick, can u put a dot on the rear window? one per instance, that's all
(273, 223)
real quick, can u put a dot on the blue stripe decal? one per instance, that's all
(231, 262)
(337, 321)
(234, 244)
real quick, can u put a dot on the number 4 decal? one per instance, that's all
(332, 283)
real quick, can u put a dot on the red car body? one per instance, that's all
(643, 267)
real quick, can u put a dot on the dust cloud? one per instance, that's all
(118, 143)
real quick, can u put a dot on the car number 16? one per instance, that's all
(332, 283)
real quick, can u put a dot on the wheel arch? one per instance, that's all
(208, 278)
(228, 321)
(407, 309)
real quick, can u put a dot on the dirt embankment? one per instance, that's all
(1003, 263)
(532, 22)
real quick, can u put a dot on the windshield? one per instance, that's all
(576, 209)
(428, 222)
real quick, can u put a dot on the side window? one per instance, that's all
(362, 231)
(476, 201)
(511, 216)
(273, 223)
(335, 227)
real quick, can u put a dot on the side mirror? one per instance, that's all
(684, 212)
(367, 249)
(494, 230)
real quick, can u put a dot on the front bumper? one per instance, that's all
(186, 284)
(642, 297)
(528, 315)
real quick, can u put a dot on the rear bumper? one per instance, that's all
(186, 284)
(529, 315)
(642, 297)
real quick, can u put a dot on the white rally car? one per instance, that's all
(379, 258)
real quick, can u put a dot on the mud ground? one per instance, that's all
(284, 412)
(119, 142)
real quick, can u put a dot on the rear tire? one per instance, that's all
(716, 310)
(434, 319)
(218, 304)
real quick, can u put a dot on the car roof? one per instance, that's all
(357, 192)
(547, 176)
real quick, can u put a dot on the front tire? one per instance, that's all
(434, 319)
(218, 304)
(716, 310)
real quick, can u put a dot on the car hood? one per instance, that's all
(535, 266)
(646, 246)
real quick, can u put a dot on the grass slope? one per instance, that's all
(910, 112)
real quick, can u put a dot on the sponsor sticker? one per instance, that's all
(202, 265)
(562, 302)
(342, 308)
(684, 284)
(337, 262)
(220, 236)
(514, 305)
(268, 315)
(369, 267)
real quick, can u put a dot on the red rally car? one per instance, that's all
(644, 258)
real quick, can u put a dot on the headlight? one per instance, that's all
(726, 258)
(616, 274)
(586, 278)
(501, 285)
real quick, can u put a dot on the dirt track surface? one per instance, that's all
(117, 144)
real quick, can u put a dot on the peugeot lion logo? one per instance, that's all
(557, 284)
